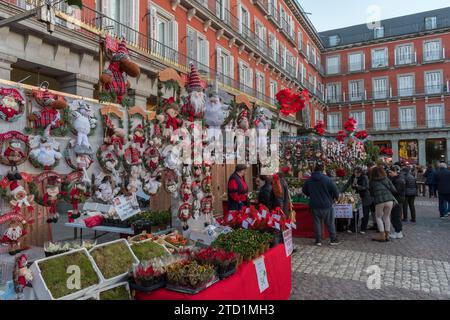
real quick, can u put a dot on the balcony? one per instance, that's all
(387, 94)
(405, 59)
(302, 50)
(274, 15)
(434, 56)
(288, 32)
(355, 67)
(387, 126)
(263, 5)
(378, 64)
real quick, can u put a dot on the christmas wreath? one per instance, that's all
(12, 104)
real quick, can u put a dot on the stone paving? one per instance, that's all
(416, 267)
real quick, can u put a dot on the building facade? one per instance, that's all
(392, 76)
(394, 80)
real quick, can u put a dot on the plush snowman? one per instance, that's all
(83, 122)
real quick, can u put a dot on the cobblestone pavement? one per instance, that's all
(415, 267)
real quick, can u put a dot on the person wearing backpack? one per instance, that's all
(410, 195)
(382, 191)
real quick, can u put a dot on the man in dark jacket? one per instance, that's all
(410, 194)
(396, 214)
(322, 193)
(265, 194)
(442, 180)
(360, 183)
(429, 180)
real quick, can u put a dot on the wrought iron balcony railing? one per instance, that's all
(379, 127)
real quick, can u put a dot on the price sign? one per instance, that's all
(343, 211)
(261, 274)
(288, 244)
(126, 207)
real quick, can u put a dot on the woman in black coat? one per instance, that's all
(266, 195)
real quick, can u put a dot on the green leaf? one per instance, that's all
(77, 3)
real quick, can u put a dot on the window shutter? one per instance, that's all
(153, 23)
(219, 66)
(191, 44)
(250, 84)
(241, 72)
(173, 35)
(206, 49)
(239, 8)
(230, 67)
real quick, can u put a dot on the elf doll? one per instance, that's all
(139, 136)
(184, 214)
(78, 194)
(51, 196)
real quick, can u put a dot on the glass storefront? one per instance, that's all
(408, 151)
(436, 150)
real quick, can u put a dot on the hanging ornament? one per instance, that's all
(132, 155)
(152, 183)
(194, 106)
(171, 181)
(107, 190)
(78, 161)
(83, 122)
(14, 148)
(196, 171)
(21, 199)
(12, 104)
(14, 232)
(78, 192)
(22, 276)
(184, 214)
(186, 192)
(207, 185)
(152, 157)
(137, 122)
(52, 113)
(44, 152)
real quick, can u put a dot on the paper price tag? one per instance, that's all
(261, 274)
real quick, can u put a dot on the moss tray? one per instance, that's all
(113, 260)
(148, 250)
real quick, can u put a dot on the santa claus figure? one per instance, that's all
(51, 197)
(133, 155)
(139, 136)
(152, 157)
(172, 157)
(78, 194)
(184, 214)
(10, 108)
(45, 151)
(194, 107)
(214, 114)
(20, 197)
(242, 121)
(185, 191)
(84, 161)
(83, 121)
(207, 206)
(23, 277)
(171, 181)
(13, 234)
(14, 152)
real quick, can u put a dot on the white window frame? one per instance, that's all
(436, 55)
(245, 80)
(381, 126)
(360, 125)
(334, 95)
(401, 60)
(362, 64)
(433, 21)
(405, 125)
(386, 59)
(434, 88)
(261, 92)
(273, 88)
(406, 92)
(378, 94)
(351, 94)
(377, 31)
(158, 14)
(241, 21)
(222, 53)
(338, 68)
(435, 123)
(334, 129)
(333, 40)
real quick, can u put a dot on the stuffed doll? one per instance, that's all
(51, 197)
(83, 121)
(184, 214)
(12, 235)
(194, 106)
(22, 276)
(21, 198)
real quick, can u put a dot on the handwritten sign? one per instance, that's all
(261, 274)
(343, 211)
(126, 207)
(288, 244)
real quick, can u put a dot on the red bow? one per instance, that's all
(172, 122)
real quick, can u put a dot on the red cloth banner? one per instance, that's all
(243, 285)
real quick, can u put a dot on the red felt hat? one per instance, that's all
(15, 187)
(194, 82)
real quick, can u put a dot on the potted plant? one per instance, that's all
(51, 276)
(224, 262)
(148, 276)
(189, 276)
(114, 260)
(148, 249)
(118, 292)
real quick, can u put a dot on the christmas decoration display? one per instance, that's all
(320, 128)
(44, 152)
(106, 189)
(21, 199)
(52, 116)
(12, 104)
(386, 151)
(215, 112)
(83, 122)
(14, 148)
(16, 229)
(114, 78)
(194, 106)
(22, 276)
(184, 214)
(78, 192)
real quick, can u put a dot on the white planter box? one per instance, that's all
(150, 240)
(125, 284)
(107, 282)
(40, 288)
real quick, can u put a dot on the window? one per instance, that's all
(433, 82)
(333, 40)
(334, 92)
(261, 34)
(164, 29)
(273, 8)
(308, 51)
(125, 12)
(360, 117)
(430, 23)
(432, 51)
(283, 53)
(273, 46)
(225, 66)
(381, 119)
(407, 118)
(378, 32)
(333, 122)
(245, 78)
(435, 116)
(313, 56)
(302, 73)
(406, 85)
(356, 90)
(355, 62)
(404, 54)
(244, 21)
(273, 89)
(380, 58)
(300, 39)
(222, 9)
(380, 88)
(260, 85)
(198, 49)
(333, 65)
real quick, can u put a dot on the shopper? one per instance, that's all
(237, 189)
(322, 192)
(382, 191)
(421, 181)
(410, 195)
(442, 180)
(396, 215)
(429, 180)
(360, 183)
(265, 194)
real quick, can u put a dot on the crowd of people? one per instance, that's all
(387, 193)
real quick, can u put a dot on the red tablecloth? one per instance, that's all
(243, 285)
(305, 226)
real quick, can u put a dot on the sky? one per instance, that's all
(334, 14)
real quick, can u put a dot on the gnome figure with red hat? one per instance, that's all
(194, 106)
(114, 79)
(21, 198)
